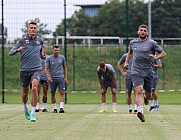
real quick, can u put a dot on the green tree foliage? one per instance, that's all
(41, 28)
(111, 19)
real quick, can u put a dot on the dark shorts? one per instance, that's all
(57, 83)
(146, 82)
(155, 82)
(109, 84)
(43, 81)
(129, 85)
(27, 77)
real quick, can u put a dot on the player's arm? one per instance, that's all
(158, 64)
(158, 56)
(121, 69)
(16, 48)
(65, 72)
(128, 57)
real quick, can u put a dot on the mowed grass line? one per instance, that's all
(84, 122)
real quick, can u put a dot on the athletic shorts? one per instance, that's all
(155, 81)
(129, 85)
(146, 81)
(57, 83)
(26, 77)
(43, 81)
(109, 84)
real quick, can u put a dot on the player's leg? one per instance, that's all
(138, 82)
(114, 97)
(35, 82)
(53, 87)
(103, 98)
(25, 89)
(38, 99)
(44, 98)
(128, 91)
(61, 87)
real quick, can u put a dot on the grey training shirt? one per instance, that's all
(142, 62)
(30, 55)
(55, 65)
(108, 75)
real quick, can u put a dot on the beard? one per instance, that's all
(143, 37)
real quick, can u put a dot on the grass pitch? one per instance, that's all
(84, 122)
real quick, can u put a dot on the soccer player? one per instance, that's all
(43, 84)
(56, 72)
(107, 78)
(154, 99)
(129, 84)
(30, 48)
(143, 52)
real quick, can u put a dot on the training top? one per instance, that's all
(155, 70)
(43, 74)
(142, 62)
(122, 60)
(30, 55)
(55, 65)
(108, 75)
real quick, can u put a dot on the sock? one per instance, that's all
(156, 102)
(151, 102)
(44, 105)
(135, 106)
(130, 107)
(33, 110)
(104, 106)
(140, 108)
(114, 105)
(54, 106)
(25, 106)
(37, 106)
(61, 104)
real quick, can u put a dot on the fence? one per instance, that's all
(84, 51)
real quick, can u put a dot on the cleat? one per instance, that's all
(36, 110)
(27, 114)
(55, 111)
(141, 116)
(44, 110)
(156, 107)
(33, 118)
(61, 110)
(151, 107)
(102, 111)
(114, 111)
(145, 100)
(135, 111)
(130, 111)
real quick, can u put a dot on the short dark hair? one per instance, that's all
(55, 46)
(32, 22)
(143, 26)
(102, 64)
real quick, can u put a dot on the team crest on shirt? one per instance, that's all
(38, 42)
(27, 41)
(145, 47)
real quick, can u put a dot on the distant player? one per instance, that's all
(107, 78)
(56, 72)
(43, 84)
(129, 84)
(154, 99)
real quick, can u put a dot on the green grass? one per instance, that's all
(84, 122)
(95, 98)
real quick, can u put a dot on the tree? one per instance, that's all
(41, 28)
(78, 24)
